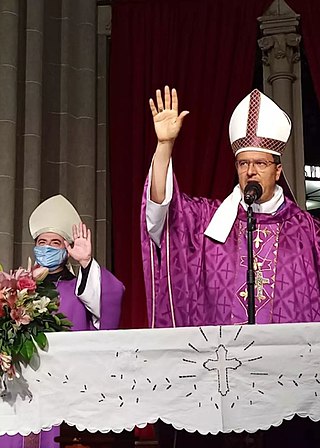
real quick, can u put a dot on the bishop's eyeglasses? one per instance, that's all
(260, 164)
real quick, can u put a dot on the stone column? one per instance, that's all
(282, 82)
(9, 56)
(103, 245)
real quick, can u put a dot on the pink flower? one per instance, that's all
(11, 373)
(20, 316)
(39, 273)
(2, 312)
(26, 282)
(11, 298)
(20, 272)
(7, 281)
(7, 297)
(6, 366)
(3, 302)
(5, 362)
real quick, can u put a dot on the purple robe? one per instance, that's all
(193, 280)
(110, 307)
(110, 302)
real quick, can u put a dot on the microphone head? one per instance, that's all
(252, 192)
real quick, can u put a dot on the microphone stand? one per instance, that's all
(251, 225)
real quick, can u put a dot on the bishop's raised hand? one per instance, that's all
(81, 251)
(167, 121)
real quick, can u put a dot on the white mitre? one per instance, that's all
(259, 124)
(56, 215)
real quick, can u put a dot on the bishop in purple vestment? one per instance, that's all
(195, 249)
(91, 301)
(199, 278)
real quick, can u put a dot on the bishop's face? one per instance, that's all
(50, 251)
(50, 239)
(260, 167)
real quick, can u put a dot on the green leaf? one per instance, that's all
(47, 290)
(42, 341)
(56, 319)
(18, 342)
(28, 349)
(60, 315)
(66, 323)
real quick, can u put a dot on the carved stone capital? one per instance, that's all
(280, 51)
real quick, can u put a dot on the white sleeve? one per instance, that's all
(92, 292)
(156, 213)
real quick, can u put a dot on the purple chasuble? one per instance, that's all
(110, 303)
(193, 280)
(110, 306)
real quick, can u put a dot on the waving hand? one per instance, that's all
(81, 250)
(167, 122)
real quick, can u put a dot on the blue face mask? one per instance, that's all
(50, 257)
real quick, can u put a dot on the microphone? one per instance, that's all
(252, 192)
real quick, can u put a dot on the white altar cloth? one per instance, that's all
(208, 379)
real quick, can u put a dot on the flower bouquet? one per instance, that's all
(28, 309)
